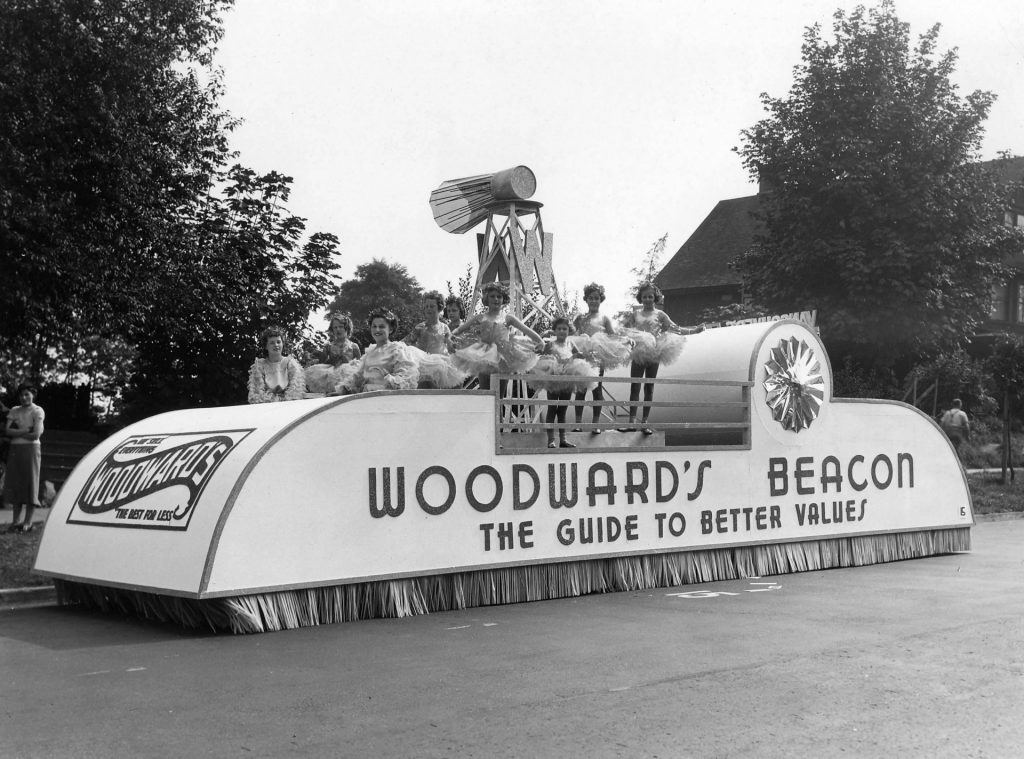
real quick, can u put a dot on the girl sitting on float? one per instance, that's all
(596, 339)
(657, 340)
(322, 376)
(386, 365)
(496, 350)
(559, 360)
(277, 377)
(430, 342)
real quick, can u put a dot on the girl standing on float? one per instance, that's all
(430, 342)
(596, 338)
(277, 377)
(559, 359)
(657, 341)
(496, 350)
(322, 376)
(454, 311)
(386, 365)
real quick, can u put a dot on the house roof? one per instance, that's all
(703, 260)
(726, 233)
(1009, 170)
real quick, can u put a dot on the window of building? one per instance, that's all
(1018, 314)
(1014, 218)
(998, 309)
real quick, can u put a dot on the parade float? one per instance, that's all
(392, 503)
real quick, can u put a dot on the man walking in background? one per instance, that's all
(955, 425)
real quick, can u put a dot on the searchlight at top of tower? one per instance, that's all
(460, 204)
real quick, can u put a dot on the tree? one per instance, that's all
(242, 269)
(465, 289)
(1006, 368)
(730, 312)
(933, 384)
(644, 272)
(106, 129)
(122, 219)
(649, 265)
(875, 211)
(379, 284)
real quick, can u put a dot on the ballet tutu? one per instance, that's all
(553, 373)
(577, 367)
(477, 358)
(320, 378)
(543, 372)
(670, 347)
(465, 339)
(518, 355)
(582, 344)
(345, 376)
(437, 369)
(376, 378)
(515, 356)
(665, 349)
(645, 347)
(608, 350)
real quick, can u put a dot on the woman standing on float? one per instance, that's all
(658, 340)
(596, 338)
(497, 351)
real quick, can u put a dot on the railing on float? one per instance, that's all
(520, 410)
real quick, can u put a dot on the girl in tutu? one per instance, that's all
(429, 343)
(496, 350)
(322, 376)
(596, 339)
(455, 315)
(386, 365)
(558, 360)
(277, 377)
(657, 340)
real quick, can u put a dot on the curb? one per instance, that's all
(37, 594)
(999, 516)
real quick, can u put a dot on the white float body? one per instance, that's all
(290, 495)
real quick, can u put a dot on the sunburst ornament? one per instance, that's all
(796, 388)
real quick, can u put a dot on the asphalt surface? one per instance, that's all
(921, 658)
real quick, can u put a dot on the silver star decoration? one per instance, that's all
(795, 386)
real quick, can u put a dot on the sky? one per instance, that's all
(627, 112)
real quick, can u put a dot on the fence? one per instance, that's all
(698, 414)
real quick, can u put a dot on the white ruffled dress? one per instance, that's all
(653, 342)
(556, 363)
(497, 351)
(387, 367)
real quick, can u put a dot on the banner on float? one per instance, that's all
(810, 318)
(414, 510)
(555, 511)
(153, 481)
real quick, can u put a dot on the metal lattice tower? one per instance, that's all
(513, 247)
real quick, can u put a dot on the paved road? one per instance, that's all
(920, 658)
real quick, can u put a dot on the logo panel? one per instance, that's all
(153, 481)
